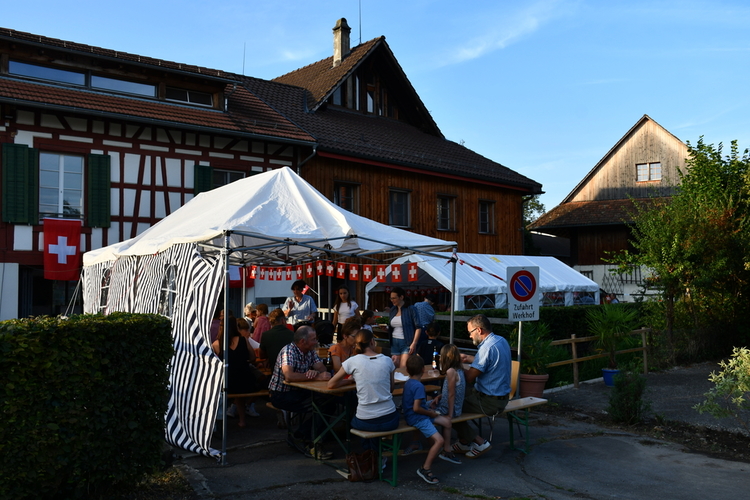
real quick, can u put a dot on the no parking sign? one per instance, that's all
(522, 293)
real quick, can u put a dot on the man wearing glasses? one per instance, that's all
(490, 375)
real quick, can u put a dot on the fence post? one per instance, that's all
(645, 354)
(574, 351)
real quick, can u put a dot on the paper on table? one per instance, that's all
(400, 377)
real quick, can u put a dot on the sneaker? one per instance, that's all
(461, 448)
(322, 455)
(412, 448)
(478, 449)
(250, 410)
(426, 474)
(448, 456)
(232, 411)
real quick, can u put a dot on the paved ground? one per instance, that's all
(570, 458)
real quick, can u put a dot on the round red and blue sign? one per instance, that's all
(523, 286)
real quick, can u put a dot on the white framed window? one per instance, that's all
(446, 213)
(346, 196)
(168, 292)
(648, 171)
(399, 210)
(189, 96)
(60, 185)
(486, 217)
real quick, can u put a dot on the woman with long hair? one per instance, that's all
(345, 348)
(403, 327)
(373, 374)
(343, 309)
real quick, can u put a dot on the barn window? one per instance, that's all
(399, 210)
(648, 171)
(486, 217)
(446, 213)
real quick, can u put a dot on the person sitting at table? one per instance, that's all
(343, 309)
(373, 374)
(418, 414)
(276, 338)
(368, 319)
(432, 345)
(250, 315)
(403, 327)
(451, 400)
(298, 362)
(261, 324)
(299, 307)
(345, 348)
(241, 379)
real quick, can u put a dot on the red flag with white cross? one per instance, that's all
(309, 273)
(354, 272)
(62, 249)
(320, 267)
(367, 272)
(412, 271)
(381, 274)
(329, 268)
(396, 272)
(341, 270)
(298, 271)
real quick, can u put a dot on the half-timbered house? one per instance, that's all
(119, 141)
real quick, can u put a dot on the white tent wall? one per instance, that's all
(554, 276)
(181, 284)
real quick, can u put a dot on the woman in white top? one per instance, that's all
(343, 309)
(373, 374)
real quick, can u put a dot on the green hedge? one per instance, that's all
(83, 403)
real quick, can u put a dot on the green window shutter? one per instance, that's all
(99, 194)
(203, 178)
(33, 186)
(16, 184)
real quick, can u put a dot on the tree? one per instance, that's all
(697, 244)
(532, 210)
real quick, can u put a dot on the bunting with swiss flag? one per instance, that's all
(412, 272)
(62, 249)
(354, 272)
(396, 273)
(367, 272)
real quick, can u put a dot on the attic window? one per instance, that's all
(648, 171)
(189, 96)
(124, 86)
(45, 73)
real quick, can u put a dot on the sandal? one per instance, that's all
(412, 448)
(426, 474)
(449, 456)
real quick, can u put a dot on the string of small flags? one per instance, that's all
(341, 270)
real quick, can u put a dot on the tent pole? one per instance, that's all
(225, 263)
(454, 258)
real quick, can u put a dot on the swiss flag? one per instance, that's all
(235, 277)
(263, 272)
(288, 273)
(271, 274)
(367, 272)
(381, 274)
(62, 249)
(329, 268)
(396, 272)
(298, 271)
(309, 270)
(354, 272)
(413, 271)
(319, 267)
(280, 273)
(341, 270)
(253, 272)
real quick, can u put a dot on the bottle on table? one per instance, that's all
(435, 359)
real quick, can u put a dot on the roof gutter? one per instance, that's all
(299, 165)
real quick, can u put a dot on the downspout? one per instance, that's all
(299, 165)
(226, 98)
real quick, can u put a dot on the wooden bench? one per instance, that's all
(257, 394)
(427, 388)
(514, 406)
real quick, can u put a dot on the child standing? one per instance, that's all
(368, 319)
(451, 399)
(420, 417)
(432, 345)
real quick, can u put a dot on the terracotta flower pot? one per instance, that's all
(532, 385)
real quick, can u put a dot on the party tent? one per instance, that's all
(480, 279)
(178, 268)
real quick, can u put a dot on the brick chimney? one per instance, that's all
(340, 41)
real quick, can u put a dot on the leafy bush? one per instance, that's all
(83, 403)
(729, 397)
(626, 403)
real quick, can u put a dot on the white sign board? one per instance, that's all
(523, 283)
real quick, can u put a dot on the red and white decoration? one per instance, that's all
(341, 270)
(396, 273)
(329, 268)
(309, 273)
(381, 274)
(354, 272)
(62, 249)
(367, 273)
(412, 271)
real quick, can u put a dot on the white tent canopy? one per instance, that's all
(273, 217)
(554, 277)
(179, 266)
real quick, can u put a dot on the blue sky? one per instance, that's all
(544, 87)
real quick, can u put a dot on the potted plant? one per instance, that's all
(536, 350)
(611, 323)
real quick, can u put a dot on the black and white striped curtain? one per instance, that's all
(185, 286)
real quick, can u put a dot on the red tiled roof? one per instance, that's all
(125, 56)
(384, 139)
(246, 114)
(320, 78)
(590, 213)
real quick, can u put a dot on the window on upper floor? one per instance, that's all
(366, 92)
(648, 171)
(50, 184)
(346, 196)
(399, 211)
(446, 213)
(107, 83)
(224, 177)
(486, 217)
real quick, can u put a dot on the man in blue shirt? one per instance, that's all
(299, 307)
(490, 374)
